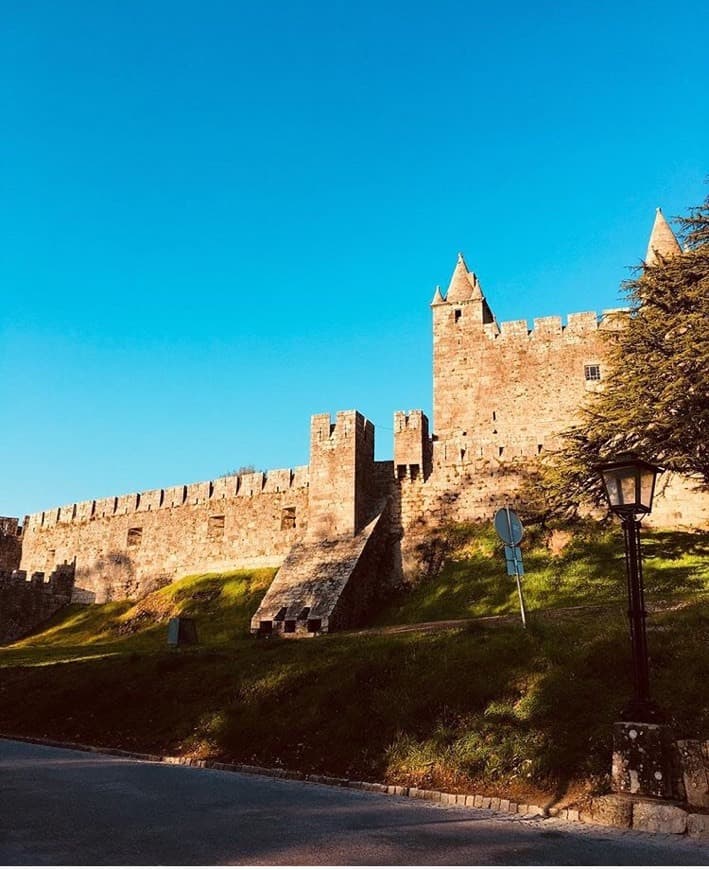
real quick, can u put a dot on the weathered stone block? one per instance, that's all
(614, 810)
(698, 826)
(694, 772)
(642, 759)
(659, 818)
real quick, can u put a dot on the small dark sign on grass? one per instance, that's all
(181, 630)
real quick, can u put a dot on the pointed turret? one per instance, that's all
(462, 287)
(437, 296)
(663, 242)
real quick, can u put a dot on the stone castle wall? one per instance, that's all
(10, 544)
(506, 391)
(126, 546)
(502, 395)
(26, 603)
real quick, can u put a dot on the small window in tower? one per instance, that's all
(215, 526)
(462, 454)
(500, 451)
(414, 470)
(592, 372)
(287, 518)
(540, 447)
(135, 536)
(494, 416)
(457, 314)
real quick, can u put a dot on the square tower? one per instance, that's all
(341, 474)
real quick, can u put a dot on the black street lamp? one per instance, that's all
(630, 486)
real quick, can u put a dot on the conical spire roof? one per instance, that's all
(437, 297)
(663, 242)
(464, 285)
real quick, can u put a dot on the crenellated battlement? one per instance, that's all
(347, 425)
(231, 486)
(60, 582)
(549, 328)
(412, 445)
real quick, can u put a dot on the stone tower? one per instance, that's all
(341, 475)
(459, 324)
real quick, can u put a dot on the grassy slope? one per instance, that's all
(590, 570)
(523, 712)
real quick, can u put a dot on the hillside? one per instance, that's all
(526, 713)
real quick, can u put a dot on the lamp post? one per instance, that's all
(641, 762)
(630, 486)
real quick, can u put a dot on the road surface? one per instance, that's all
(59, 806)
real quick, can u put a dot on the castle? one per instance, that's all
(345, 526)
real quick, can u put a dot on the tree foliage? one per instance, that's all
(655, 399)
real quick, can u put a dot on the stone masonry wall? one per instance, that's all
(501, 392)
(27, 603)
(128, 545)
(10, 544)
(341, 474)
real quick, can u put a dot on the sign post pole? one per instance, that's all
(511, 530)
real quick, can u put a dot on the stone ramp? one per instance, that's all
(323, 585)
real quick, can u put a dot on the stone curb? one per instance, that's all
(694, 825)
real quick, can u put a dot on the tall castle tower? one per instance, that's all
(504, 391)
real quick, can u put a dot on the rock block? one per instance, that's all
(660, 818)
(612, 809)
(694, 772)
(698, 826)
(642, 759)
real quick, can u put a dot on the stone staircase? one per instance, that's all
(324, 585)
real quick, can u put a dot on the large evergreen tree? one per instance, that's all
(655, 399)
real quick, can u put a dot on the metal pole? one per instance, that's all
(636, 612)
(521, 597)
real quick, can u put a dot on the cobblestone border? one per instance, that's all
(612, 811)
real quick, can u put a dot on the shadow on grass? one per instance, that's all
(519, 710)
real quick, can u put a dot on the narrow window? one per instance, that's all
(135, 536)
(494, 416)
(401, 472)
(415, 471)
(540, 447)
(462, 454)
(287, 518)
(457, 314)
(500, 451)
(592, 372)
(215, 527)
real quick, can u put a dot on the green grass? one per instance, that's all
(222, 604)
(590, 570)
(525, 713)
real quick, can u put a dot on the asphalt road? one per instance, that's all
(58, 806)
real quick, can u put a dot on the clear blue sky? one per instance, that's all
(220, 217)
